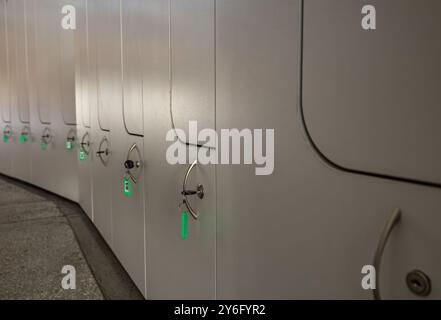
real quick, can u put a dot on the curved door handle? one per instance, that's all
(85, 145)
(199, 192)
(103, 151)
(130, 164)
(46, 138)
(388, 227)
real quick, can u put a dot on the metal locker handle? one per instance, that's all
(46, 137)
(130, 164)
(100, 151)
(388, 227)
(198, 192)
(82, 144)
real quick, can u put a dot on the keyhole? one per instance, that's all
(418, 283)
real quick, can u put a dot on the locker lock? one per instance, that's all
(46, 137)
(70, 140)
(199, 192)
(133, 163)
(419, 283)
(7, 133)
(24, 135)
(130, 164)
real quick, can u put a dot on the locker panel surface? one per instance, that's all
(108, 53)
(41, 162)
(371, 97)
(21, 141)
(176, 268)
(127, 193)
(82, 64)
(85, 149)
(132, 39)
(128, 205)
(4, 69)
(312, 237)
(45, 57)
(101, 171)
(67, 67)
(192, 65)
(21, 61)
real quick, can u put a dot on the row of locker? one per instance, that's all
(353, 111)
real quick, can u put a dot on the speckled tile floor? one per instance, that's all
(39, 234)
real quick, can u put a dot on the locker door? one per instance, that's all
(108, 56)
(180, 250)
(192, 65)
(21, 164)
(42, 84)
(65, 142)
(100, 105)
(4, 68)
(21, 62)
(5, 158)
(82, 109)
(67, 69)
(128, 208)
(378, 89)
(44, 58)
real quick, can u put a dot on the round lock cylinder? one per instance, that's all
(418, 283)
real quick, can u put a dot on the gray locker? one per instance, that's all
(40, 96)
(20, 149)
(6, 130)
(85, 150)
(127, 136)
(177, 268)
(377, 109)
(101, 140)
(65, 141)
(108, 59)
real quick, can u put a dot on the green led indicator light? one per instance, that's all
(82, 155)
(127, 187)
(43, 146)
(69, 145)
(22, 139)
(184, 225)
(5, 138)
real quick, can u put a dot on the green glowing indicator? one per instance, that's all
(43, 146)
(127, 187)
(82, 155)
(69, 145)
(5, 138)
(184, 225)
(22, 139)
